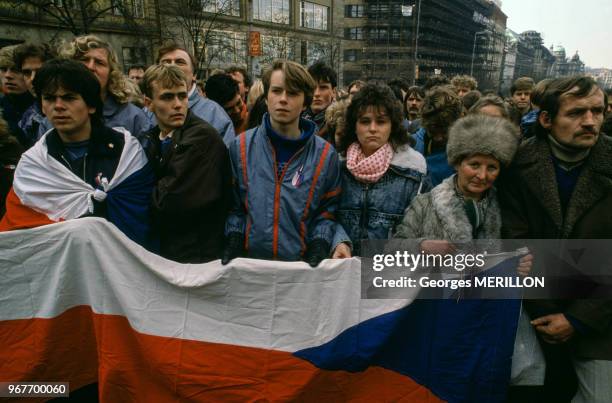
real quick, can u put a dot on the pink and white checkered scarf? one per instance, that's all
(368, 169)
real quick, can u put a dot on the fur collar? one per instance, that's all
(451, 213)
(535, 166)
(407, 157)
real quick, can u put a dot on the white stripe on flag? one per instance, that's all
(255, 303)
(45, 185)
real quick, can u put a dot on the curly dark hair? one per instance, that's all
(381, 97)
(442, 107)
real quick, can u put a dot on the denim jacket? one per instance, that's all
(372, 211)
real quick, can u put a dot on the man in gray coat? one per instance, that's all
(207, 110)
(560, 187)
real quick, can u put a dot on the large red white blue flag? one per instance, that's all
(81, 303)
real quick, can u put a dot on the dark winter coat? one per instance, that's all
(531, 209)
(10, 152)
(191, 199)
(103, 154)
(12, 108)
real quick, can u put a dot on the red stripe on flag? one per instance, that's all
(18, 216)
(136, 367)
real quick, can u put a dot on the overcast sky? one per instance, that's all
(577, 25)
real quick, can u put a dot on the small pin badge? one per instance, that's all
(111, 145)
(298, 177)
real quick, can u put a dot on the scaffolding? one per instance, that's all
(445, 43)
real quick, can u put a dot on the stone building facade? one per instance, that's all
(130, 26)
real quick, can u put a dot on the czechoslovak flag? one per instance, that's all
(81, 303)
(45, 191)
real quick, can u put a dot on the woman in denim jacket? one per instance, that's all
(381, 173)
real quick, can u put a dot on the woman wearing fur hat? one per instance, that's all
(464, 206)
(381, 173)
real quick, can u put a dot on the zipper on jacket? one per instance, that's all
(66, 161)
(84, 165)
(278, 182)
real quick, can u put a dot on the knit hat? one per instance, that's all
(482, 134)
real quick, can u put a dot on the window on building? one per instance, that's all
(132, 8)
(354, 11)
(350, 55)
(226, 48)
(276, 11)
(314, 51)
(277, 47)
(227, 7)
(134, 56)
(377, 33)
(313, 16)
(66, 3)
(117, 7)
(138, 8)
(379, 8)
(353, 33)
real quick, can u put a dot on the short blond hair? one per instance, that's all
(335, 114)
(117, 85)
(254, 92)
(165, 75)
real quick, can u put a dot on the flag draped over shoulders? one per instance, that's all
(45, 191)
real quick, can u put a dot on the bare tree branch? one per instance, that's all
(197, 22)
(77, 16)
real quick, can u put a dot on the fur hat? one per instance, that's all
(482, 134)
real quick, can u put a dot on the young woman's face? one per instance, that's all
(373, 129)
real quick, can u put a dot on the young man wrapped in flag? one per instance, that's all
(80, 167)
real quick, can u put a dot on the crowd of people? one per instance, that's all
(292, 167)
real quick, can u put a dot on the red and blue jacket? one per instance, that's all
(279, 214)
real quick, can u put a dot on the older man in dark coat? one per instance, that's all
(560, 187)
